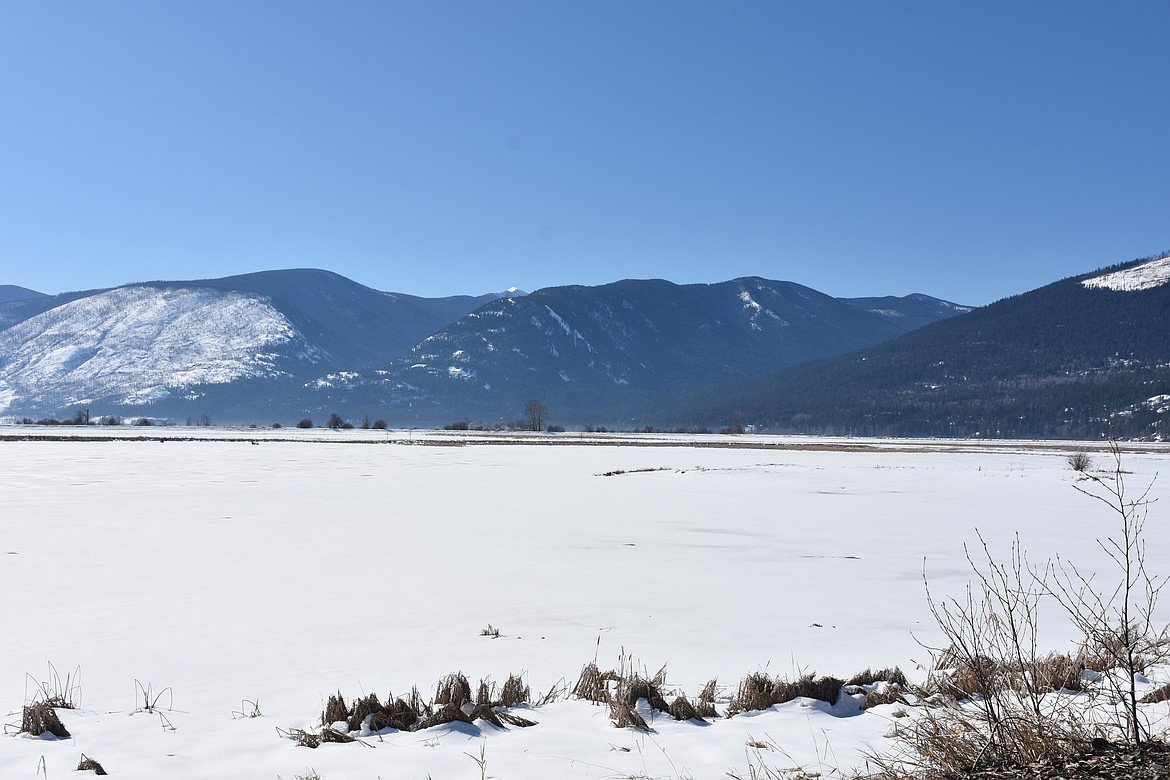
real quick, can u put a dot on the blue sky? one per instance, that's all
(969, 150)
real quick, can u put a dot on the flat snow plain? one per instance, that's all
(314, 561)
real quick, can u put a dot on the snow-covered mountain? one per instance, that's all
(231, 342)
(279, 345)
(603, 354)
(138, 345)
(1085, 357)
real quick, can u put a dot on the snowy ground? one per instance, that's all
(369, 561)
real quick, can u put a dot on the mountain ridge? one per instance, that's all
(1080, 357)
(600, 351)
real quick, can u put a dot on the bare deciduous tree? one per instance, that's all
(535, 413)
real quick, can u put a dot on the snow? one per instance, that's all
(134, 341)
(369, 561)
(564, 325)
(1145, 276)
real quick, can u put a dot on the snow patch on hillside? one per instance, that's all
(1146, 276)
(134, 342)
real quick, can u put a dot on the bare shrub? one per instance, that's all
(1120, 633)
(993, 698)
(1080, 461)
(993, 678)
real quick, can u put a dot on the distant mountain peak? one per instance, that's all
(11, 292)
(1143, 276)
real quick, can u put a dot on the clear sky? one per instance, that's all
(968, 150)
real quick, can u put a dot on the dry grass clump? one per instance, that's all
(1157, 695)
(866, 682)
(1058, 672)
(705, 702)
(964, 677)
(1105, 651)
(624, 716)
(452, 703)
(39, 719)
(514, 692)
(622, 690)
(335, 710)
(631, 696)
(593, 684)
(869, 677)
(758, 691)
(682, 709)
(311, 739)
(87, 764)
(362, 709)
(453, 689)
(632, 687)
(397, 714)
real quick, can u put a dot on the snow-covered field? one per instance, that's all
(314, 562)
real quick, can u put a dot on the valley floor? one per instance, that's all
(223, 568)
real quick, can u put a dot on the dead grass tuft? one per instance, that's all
(869, 677)
(333, 735)
(681, 709)
(1058, 672)
(624, 716)
(362, 709)
(1157, 695)
(335, 710)
(592, 685)
(758, 691)
(963, 678)
(87, 764)
(453, 689)
(39, 719)
(634, 687)
(514, 692)
(396, 715)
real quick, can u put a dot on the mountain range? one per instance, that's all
(283, 344)
(1083, 357)
(606, 354)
